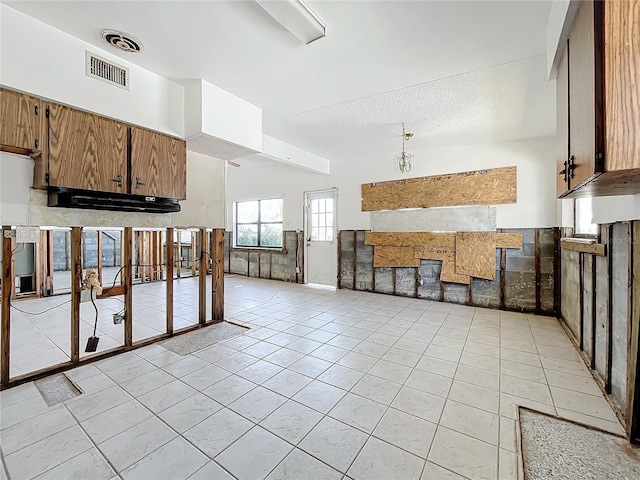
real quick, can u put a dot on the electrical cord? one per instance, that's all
(38, 313)
(95, 324)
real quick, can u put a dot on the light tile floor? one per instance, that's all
(326, 384)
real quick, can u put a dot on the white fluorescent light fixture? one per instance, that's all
(296, 17)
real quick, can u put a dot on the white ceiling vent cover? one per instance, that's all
(109, 72)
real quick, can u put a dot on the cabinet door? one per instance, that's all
(622, 83)
(20, 122)
(582, 94)
(86, 151)
(562, 122)
(158, 164)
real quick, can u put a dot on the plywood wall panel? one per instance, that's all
(448, 257)
(476, 254)
(508, 240)
(389, 256)
(480, 187)
(454, 219)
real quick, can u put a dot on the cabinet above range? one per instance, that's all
(79, 150)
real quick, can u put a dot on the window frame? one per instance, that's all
(258, 224)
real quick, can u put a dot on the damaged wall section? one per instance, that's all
(272, 264)
(524, 277)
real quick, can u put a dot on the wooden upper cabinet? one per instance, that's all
(582, 97)
(622, 84)
(20, 130)
(86, 151)
(562, 124)
(158, 165)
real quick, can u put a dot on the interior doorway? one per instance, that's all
(321, 253)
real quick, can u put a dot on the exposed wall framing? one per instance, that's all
(273, 264)
(600, 293)
(215, 242)
(523, 278)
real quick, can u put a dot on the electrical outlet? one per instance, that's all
(297, 269)
(27, 234)
(420, 281)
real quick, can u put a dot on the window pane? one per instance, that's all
(314, 219)
(329, 205)
(321, 234)
(314, 234)
(271, 210)
(271, 235)
(322, 217)
(314, 206)
(247, 235)
(584, 214)
(329, 219)
(247, 212)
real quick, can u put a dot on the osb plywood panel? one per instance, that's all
(453, 219)
(386, 256)
(448, 257)
(480, 187)
(508, 240)
(410, 239)
(476, 254)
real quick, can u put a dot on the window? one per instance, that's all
(322, 219)
(259, 223)
(584, 217)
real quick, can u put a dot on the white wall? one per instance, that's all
(535, 159)
(39, 59)
(22, 205)
(616, 209)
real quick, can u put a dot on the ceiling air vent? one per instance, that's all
(106, 71)
(122, 41)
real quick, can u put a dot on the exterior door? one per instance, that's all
(320, 234)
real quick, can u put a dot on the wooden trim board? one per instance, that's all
(394, 256)
(479, 187)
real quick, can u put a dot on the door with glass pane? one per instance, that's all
(321, 246)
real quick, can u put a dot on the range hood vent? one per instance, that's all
(70, 198)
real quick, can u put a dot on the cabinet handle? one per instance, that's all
(139, 183)
(571, 166)
(118, 181)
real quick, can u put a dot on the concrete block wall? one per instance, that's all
(110, 249)
(524, 278)
(273, 264)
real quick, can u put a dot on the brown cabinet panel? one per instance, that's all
(562, 124)
(158, 164)
(582, 94)
(622, 84)
(19, 122)
(86, 151)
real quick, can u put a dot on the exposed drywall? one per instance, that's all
(22, 205)
(534, 159)
(43, 61)
(447, 219)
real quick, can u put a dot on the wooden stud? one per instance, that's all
(355, 262)
(179, 253)
(557, 268)
(633, 372)
(169, 280)
(575, 246)
(39, 265)
(581, 299)
(193, 254)
(127, 273)
(76, 284)
(593, 312)
(503, 277)
(217, 243)
(610, 309)
(538, 272)
(202, 277)
(7, 288)
(416, 279)
(99, 248)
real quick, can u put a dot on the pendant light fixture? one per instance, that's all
(403, 163)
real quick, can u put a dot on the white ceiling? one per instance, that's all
(455, 72)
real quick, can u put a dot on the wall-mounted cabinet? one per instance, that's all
(86, 151)
(158, 165)
(21, 123)
(597, 94)
(81, 150)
